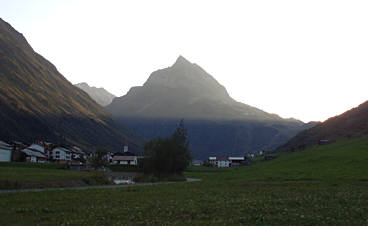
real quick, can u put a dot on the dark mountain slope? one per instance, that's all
(37, 102)
(352, 123)
(100, 95)
(217, 124)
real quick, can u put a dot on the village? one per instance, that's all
(45, 152)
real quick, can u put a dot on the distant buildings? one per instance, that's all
(225, 161)
(40, 152)
(197, 163)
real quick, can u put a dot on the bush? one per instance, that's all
(167, 156)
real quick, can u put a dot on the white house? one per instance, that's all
(237, 161)
(77, 153)
(60, 154)
(5, 152)
(220, 161)
(35, 153)
(226, 161)
(124, 160)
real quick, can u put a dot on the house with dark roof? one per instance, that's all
(224, 161)
(5, 152)
(124, 160)
(61, 154)
(35, 153)
(78, 154)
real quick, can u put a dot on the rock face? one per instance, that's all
(100, 95)
(216, 123)
(38, 103)
(352, 123)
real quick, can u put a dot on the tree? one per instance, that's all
(167, 156)
(182, 155)
(99, 160)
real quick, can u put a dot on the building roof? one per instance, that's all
(77, 150)
(236, 158)
(61, 149)
(222, 158)
(31, 152)
(128, 153)
(5, 146)
(36, 147)
(123, 158)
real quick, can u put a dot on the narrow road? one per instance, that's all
(190, 180)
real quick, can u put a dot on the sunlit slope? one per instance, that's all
(350, 124)
(342, 160)
(38, 103)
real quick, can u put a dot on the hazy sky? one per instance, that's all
(301, 59)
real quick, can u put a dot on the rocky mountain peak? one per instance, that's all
(181, 61)
(100, 95)
(188, 78)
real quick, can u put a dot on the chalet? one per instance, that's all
(61, 154)
(237, 161)
(125, 157)
(77, 154)
(35, 153)
(5, 152)
(197, 162)
(227, 161)
(125, 160)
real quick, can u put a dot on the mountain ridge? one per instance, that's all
(350, 124)
(100, 95)
(179, 79)
(217, 124)
(39, 103)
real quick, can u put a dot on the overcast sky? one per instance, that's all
(301, 59)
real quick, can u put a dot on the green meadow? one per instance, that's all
(323, 185)
(30, 175)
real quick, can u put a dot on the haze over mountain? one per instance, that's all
(38, 103)
(352, 123)
(217, 124)
(100, 95)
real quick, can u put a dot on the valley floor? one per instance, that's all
(325, 185)
(208, 202)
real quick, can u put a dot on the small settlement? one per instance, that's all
(41, 152)
(225, 161)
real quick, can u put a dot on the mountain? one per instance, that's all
(216, 123)
(100, 95)
(352, 123)
(38, 103)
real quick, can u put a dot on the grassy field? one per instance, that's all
(28, 175)
(326, 185)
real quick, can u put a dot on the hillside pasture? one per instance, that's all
(324, 185)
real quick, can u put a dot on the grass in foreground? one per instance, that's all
(15, 177)
(263, 194)
(208, 202)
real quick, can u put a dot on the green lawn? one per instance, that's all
(30, 176)
(326, 185)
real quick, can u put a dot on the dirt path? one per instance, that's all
(190, 180)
